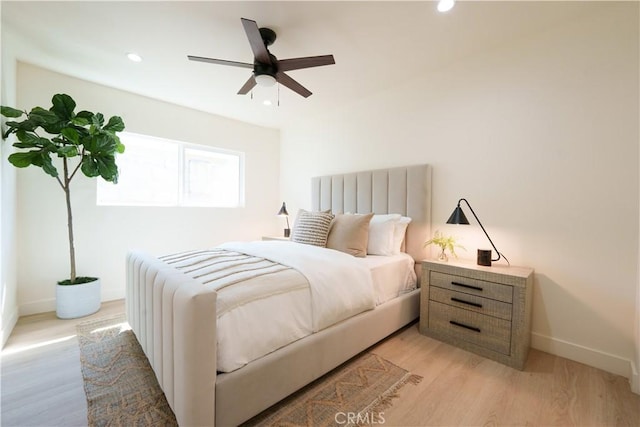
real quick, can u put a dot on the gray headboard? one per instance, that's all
(403, 190)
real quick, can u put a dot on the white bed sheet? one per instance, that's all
(392, 275)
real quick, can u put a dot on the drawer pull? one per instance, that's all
(462, 325)
(476, 288)
(475, 304)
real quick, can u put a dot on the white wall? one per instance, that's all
(8, 239)
(541, 136)
(635, 375)
(104, 234)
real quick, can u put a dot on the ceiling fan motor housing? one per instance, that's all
(268, 36)
(271, 69)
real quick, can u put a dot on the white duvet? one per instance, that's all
(273, 293)
(340, 286)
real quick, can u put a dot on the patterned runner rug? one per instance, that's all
(122, 390)
(119, 383)
(355, 393)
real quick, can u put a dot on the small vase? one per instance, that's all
(443, 256)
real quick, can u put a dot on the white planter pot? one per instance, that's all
(77, 300)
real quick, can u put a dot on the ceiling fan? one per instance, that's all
(267, 69)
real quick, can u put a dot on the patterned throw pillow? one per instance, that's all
(312, 228)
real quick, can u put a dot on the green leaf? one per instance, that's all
(108, 168)
(10, 112)
(115, 124)
(63, 106)
(71, 134)
(68, 151)
(97, 120)
(38, 158)
(84, 114)
(22, 160)
(49, 145)
(26, 124)
(80, 121)
(42, 116)
(89, 167)
(28, 138)
(54, 128)
(47, 165)
(101, 144)
(8, 132)
(23, 145)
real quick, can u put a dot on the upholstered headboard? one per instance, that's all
(403, 190)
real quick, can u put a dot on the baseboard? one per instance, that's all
(49, 304)
(36, 307)
(635, 379)
(589, 356)
(113, 294)
(7, 326)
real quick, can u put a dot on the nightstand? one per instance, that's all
(485, 310)
(275, 238)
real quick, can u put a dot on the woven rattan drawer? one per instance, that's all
(478, 304)
(471, 286)
(500, 329)
(485, 331)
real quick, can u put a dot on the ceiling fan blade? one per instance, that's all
(287, 81)
(220, 61)
(307, 62)
(255, 40)
(247, 86)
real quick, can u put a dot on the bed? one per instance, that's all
(174, 316)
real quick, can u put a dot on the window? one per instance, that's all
(160, 172)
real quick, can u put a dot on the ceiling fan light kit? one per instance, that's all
(267, 69)
(265, 80)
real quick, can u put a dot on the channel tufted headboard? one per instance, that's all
(403, 190)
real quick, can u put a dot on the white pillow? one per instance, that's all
(399, 232)
(382, 231)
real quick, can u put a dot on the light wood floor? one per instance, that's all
(41, 384)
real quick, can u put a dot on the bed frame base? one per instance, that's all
(246, 392)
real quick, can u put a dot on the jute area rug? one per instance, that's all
(119, 383)
(122, 389)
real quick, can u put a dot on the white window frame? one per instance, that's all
(181, 199)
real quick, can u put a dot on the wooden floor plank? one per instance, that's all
(41, 383)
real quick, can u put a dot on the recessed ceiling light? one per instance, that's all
(134, 57)
(445, 5)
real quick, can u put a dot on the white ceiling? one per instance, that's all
(376, 45)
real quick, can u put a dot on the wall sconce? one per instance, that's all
(283, 212)
(484, 255)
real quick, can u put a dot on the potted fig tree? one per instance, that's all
(79, 141)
